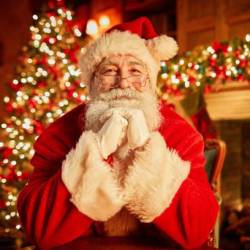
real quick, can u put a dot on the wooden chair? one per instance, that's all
(215, 151)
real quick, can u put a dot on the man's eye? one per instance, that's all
(135, 71)
(109, 71)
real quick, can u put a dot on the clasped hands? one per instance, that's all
(119, 125)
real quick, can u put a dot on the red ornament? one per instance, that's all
(221, 72)
(12, 176)
(240, 77)
(5, 152)
(16, 86)
(192, 80)
(212, 62)
(32, 103)
(237, 53)
(207, 89)
(46, 39)
(55, 72)
(219, 47)
(216, 45)
(20, 110)
(24, 176)
(243, 63)
(38, 127)
(72, 56)
(9, 107)
(44, 60)
(41, 84)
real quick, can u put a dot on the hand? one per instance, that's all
(137, 132)
(111, 134)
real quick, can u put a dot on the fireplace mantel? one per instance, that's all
(230, 102)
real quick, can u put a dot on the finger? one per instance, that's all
(138, 132)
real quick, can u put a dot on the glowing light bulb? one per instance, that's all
(247, 37)
(77, 32)
(10, 196)
(181, 62)
(198, 84)
(92, 28)
(210, 49)
(6, 99)
(163, 63)
(7, 216)
(104, 21)
(196, 66)
(13, 163)
(35, 17)
(4, 181)
(164, 76)
(51, 61)
(19, 173)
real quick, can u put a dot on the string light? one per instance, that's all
(164, 75)
(210, 49)
(3, 180)
(35, 17)
(77, 32)
(6, 99)
(247, 37)
(181, 62)
(205, 65)
(7, 217)
(19, 173)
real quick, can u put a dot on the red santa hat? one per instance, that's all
(137, 38)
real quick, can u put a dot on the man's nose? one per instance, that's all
(124, 83)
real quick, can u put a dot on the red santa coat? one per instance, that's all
(50, 219)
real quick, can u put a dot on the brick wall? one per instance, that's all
(236, 171)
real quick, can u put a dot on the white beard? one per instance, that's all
(145, 101)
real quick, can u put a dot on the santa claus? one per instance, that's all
(122, 161)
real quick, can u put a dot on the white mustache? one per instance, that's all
(119, 93)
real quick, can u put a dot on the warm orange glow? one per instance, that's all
(104, 21)
(92, 27)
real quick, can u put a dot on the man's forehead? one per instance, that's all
(118, 59)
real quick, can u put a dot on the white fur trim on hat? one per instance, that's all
(153, 179)
(162, 47)
(150, 52)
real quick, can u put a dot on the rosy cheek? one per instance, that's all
(105, 87)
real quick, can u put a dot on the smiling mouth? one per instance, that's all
(122, 97)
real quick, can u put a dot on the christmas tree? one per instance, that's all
(45, 86)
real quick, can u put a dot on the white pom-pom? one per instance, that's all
(162, 47)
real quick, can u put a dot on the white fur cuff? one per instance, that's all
(90, 180)
(154, 178)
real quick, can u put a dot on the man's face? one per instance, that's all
(120, 72)
(121, 81)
